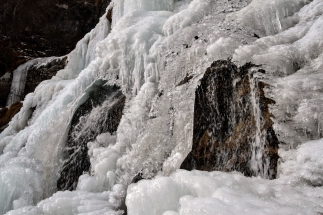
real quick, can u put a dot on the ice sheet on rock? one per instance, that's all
(133, 36)
(195, 11)
(163, 137)
(270, 17)
(300, 107)
(223, 48)
(124, 7)
(131, 127)
(293, 58)
(85, 51)
(5, 77)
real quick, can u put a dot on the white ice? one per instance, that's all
(152, 47)
(24, 144)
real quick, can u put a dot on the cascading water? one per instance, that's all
(232, 127)
(157, 53)
(101, 113)
(260, 162)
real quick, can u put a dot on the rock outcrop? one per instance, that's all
(32, 29)
(101, 113)
(37, 74)
(232, 126)
(6, 114)
(5, 85)
(28, 76)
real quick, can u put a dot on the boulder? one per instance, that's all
(232, 126)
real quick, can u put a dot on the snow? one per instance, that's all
(147, 50)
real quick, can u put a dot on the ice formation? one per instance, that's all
(147, 50)
(20, 76)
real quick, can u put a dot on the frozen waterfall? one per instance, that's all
(149, 62)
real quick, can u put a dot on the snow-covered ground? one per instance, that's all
(148, 49)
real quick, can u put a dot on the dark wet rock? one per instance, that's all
(32, 29)
(185, 80)
(137, 178)
(6, 114)
(225, 122)
(31, 76)
(40, 28)
(101, 113)
(109, 15)
(37, 74)
(5, 85)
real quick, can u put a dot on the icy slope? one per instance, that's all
(152, 47)
(297, 191)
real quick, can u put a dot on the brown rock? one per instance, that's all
(38, 74)
(225, 123)
(41, 28)
(7, 114)
(5, 85)
(104, 118)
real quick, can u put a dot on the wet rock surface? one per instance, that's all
(40, 73)
(30, 77)
(42, 28)
(6, 114)
(32, 29)
(227, 129)
(5, 85)
(101, 113)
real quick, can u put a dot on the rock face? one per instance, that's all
(6, 114)
(41, 28)
(5, 85)
(101, 113)
(44, 72)
(28, 76)
(232, 126)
